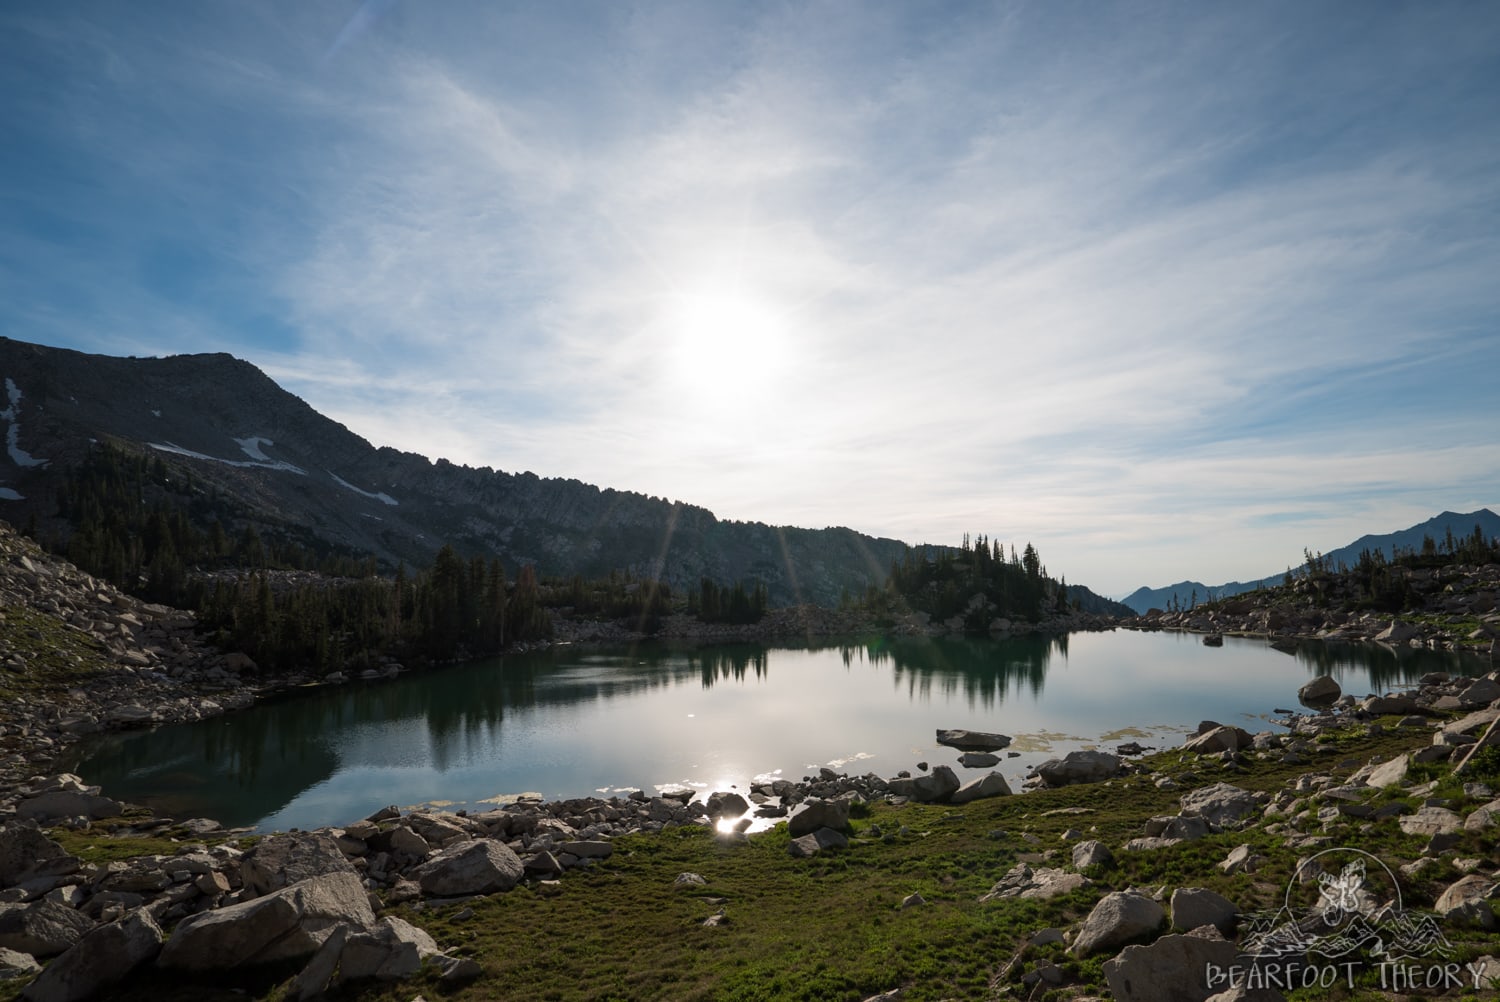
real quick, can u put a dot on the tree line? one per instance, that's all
(297, 604)
(977, 581)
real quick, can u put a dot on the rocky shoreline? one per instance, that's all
(311, 899)
(320, 905)
(1460, 612)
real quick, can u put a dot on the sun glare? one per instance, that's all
(725, 345)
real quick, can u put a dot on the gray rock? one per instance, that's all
(394, 949)
(1222, 805)
(1119, 917)
(689, 880)
(1382, 706)
(101, 959)
(731, 804)
(43, 929)
(1183, 829)
(936, 787)
(815, 814)
(1219, 739)
(22, 846)
(965, 740)
(1194, 907)
(1240, 859)
(1322, 689)
(1021, 881)
(64, 804)
(1389, 773)
(1091, 853)
(402, 839)
(479, 867)
(1468, 901)
(315, 978)
(288, 924)
(455, 970)
(279, 861)
(1431, 821)
(816, 842)
(1079, 767)
(978, 760)
(15, 964)
(990, 785)
(1172, 969)
(589, 848)
(1481, 692)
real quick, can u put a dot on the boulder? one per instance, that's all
(1218, 740)
(1431, 821)
(1221, 804)
(1021, 881)
(1481, 692)
(815, 814)
(978, 760)
(731, 804)
(1091, 853)
(1319, 691)
(1467, 901)
(1397, 633)
(588, 849)
(979, 741)
(1388, 773)
(1179, 828)
(1194, 907)
(66, 804)
(15, 964)
(279, 861)
(23, 845)
(394, 949)
(100, 960)
(43, 928)
(479, 867)
(1172, 969)
(1388, 705)
(991, 785)
(935, 787)
(816, 842)
(1119, 917)
(1079, 767)
(288, 924)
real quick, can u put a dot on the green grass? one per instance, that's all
(58, 658)
(830, 928)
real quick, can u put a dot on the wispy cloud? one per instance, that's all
(1164, 290)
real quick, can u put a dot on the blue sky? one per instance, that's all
(1169, 290)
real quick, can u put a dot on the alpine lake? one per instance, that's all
(573, 721)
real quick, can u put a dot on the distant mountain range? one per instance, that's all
(1144, 599)
(295, 474)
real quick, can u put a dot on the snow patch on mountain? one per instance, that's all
(382, 498)
(251, 447)
(264, 464)
(9, 494)
(18, 455)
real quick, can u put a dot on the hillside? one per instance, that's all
(251, 454)
(1183, 594)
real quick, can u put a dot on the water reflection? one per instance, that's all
(984, 671)
(1387, 668)
(570, 721)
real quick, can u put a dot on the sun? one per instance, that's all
(723, 343)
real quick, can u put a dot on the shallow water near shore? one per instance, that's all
(581, 721)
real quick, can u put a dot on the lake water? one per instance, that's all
(575, 721)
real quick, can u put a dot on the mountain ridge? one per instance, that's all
(234, 432)
(1145, 598)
